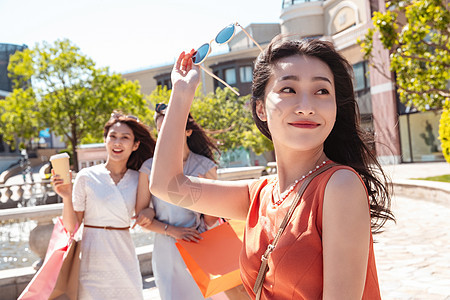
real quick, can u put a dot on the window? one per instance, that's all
(361, 86)
(230, 76)
(166, 83)
(164, 80)
(245, 74)
(361, 77)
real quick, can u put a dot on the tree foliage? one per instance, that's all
(417, 33)
(18, 116)
(57, 87)
(226, 117)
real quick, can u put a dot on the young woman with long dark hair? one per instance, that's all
(103, 199)
(303, 100)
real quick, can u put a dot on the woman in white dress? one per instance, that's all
(104, 200)
(171, 222)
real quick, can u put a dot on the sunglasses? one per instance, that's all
(118, 116)
(223, 37)
(160, 107)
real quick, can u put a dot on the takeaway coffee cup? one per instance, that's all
(60, 163)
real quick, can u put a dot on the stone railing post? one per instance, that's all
(40, 237)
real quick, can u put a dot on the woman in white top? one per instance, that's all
(104, 199)
(172, 222)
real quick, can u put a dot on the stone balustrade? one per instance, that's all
(27, 194)
(240, 173)
(272, 168)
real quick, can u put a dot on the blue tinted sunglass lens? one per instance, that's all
(225, 34)
(160, 107)
(201, 54)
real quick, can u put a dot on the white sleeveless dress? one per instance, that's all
(171, 276)
(109, 267)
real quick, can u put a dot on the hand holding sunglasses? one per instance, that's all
(223, 37)
(185, 73)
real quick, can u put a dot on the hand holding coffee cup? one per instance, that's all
(61, 166)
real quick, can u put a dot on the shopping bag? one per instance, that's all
(66, 286)
(214, 261)
(44, 281)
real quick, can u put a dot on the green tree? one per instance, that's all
(57, 87)
(226, 117)
(417, 35)
(18, 116)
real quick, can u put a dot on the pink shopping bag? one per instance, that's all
(43, 282)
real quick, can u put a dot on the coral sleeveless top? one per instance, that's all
(296, 264)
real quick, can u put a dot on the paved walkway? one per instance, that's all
(413, 256)
(416, 170)
(150, 290)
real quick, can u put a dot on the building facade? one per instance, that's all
(397, 139)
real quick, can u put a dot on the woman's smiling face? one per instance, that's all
(300, 103)
(120, 142)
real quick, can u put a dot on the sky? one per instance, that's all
(129, 35)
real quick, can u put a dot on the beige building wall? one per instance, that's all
(263, 33)
(343, 14)
(146, 78)
(304, 26)
(353, 54)
(91, 155)
(306, 19)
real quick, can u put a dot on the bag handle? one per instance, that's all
(257, 288)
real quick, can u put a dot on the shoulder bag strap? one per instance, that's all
(257, 288)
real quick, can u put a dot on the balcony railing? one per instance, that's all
(27, 194)
(287, 3)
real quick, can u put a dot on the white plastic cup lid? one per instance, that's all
(58, 156)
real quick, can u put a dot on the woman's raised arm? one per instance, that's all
(219, 198)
